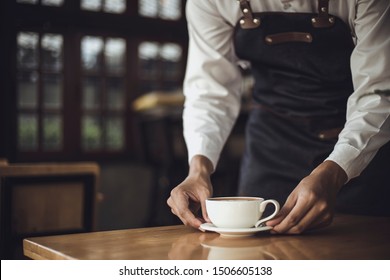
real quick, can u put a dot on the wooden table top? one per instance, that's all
(349, 237)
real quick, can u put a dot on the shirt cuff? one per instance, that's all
(205, 148)
(349, 159)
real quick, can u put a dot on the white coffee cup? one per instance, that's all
(239, 211)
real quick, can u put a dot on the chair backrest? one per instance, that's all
(45, 199)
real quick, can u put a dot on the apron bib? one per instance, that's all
(301, 66)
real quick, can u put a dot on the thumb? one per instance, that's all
(204, 209)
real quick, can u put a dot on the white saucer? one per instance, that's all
(234, 232)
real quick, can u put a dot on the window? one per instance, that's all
(160, 66)
(43, 2)
(164, 9)
(109, 6)
(103, 93)
(39, 91)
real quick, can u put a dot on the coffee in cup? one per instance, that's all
(239, 211)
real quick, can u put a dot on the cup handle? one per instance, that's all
(262, 208)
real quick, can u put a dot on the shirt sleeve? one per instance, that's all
(212, 82)
(367, 127)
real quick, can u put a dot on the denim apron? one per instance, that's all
(301, 66)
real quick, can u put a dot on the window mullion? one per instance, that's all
(40, 109)
(103, 97)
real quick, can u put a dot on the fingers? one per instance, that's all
(302, 211)
(204, 210)
(185, 204)
(292, 214)
(321, 222)
(180, 208)
(303, 217)
(284, 211)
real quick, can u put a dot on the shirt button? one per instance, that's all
(286, 5)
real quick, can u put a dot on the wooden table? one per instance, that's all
(349, 237)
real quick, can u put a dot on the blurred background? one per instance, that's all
(94, 86)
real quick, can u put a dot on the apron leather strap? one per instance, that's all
(248, 21)
(323, 19)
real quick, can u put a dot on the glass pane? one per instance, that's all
(52, 52)
(52, 132)
(115, 53)
(91, 93)
(171, 52)
(27, 89)
(170, 9)
(27, 53)
(91, 5)
(91, 53)
(91, 133)
(52, 2)
(114, 133)
(171, 56)
(114, 6)
(28, 132)
(52, 91)
(148, 8)
(27, 1)
(115, 94)
(171, 70)
(148, 54)
(148, 50)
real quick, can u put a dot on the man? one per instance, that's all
(317, 139)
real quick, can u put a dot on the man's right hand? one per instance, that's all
(190, 196)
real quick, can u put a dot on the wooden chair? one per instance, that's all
(45, 199)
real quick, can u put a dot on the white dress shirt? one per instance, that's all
(212, 84)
